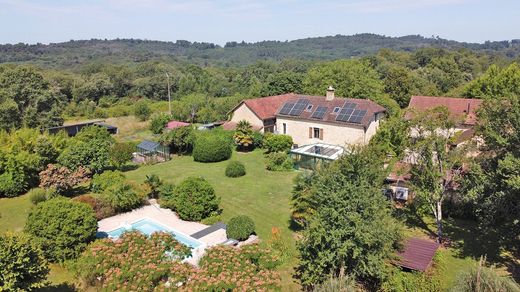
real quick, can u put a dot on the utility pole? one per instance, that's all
(169, 97)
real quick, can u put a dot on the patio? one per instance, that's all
(167, 218)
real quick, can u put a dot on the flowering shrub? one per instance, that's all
(225, 268)
(139, 263)
(62, 179)
(134, 262)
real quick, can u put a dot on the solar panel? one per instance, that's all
(349, 105)
(319, 112)
(357, 116)
(298, 108)
(286, 108)
(344, 114)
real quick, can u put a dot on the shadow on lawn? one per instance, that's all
(470, 240)
(63, 287)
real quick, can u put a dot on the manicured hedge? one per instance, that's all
(240, 227)
(212, 147)
(235, 169)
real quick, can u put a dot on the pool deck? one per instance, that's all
(166, 217)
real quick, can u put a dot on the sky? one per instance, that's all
(46, 21)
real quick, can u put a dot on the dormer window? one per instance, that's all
(309, 108)
(336, 110)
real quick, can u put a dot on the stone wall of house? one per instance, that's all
(244, 113)
(341, 135)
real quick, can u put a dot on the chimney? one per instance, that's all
(330, 93)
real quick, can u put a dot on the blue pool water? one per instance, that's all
(148, 226)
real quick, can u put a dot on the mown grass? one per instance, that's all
(260, 194)
(13, 213)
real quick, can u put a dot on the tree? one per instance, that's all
(22, 265)
(62, 227)
(193, 199)
(392, 137)
(493, 182)
(350, 78)
(180, 140)
(159, 122)
(192, 104)
(90, 149)
(155, 183)
(496, 83)
(351, 230)
(142, 110)
(62, 179)
(243, 135)
(121, 153)
(435, 168)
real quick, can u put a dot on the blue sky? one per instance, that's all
(32, 21)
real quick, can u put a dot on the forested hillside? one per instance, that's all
(78, 52)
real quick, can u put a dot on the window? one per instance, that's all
(309, 107)
(284, 125)
(336, 110)
(316, 133)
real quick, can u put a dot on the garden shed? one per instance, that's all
(312, 156)
(152, 151)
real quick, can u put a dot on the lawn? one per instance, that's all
(260, 194)
(13, 213)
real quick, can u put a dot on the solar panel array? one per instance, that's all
(319, 112)
(286, 108)
(349, 114)
(298, 108)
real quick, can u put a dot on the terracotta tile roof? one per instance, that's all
(231, 126)
(338, 102)
(176, 124)
(463, 109)
(266, 107)
(417, 254)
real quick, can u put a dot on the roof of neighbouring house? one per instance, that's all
(417, 254)
(459, 108)
(339, 110)
(176, 124)
(148, 145)
(265, 107)
(231, 126)
(74, 129)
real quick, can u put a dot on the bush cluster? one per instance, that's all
(277, 143)
(38, 195)
(240, 227)
(212, 147)
(278, 161)
(101, 207)
(105, 180)
(193, 199)
(235, 169)
(158, 123)
(142, 111)
(22, 265)
(62, 227)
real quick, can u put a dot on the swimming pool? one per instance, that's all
(148, 226)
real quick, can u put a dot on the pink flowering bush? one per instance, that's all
(225, 268)
(134, 262)
(139, 263)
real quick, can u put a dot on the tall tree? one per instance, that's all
(352, 230)
(435, 168)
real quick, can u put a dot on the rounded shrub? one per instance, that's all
(212, 148)
(122, 197)
(278, 161)
(235, 169)
(193, 199)
(62, 227)
(240, 227)
(277, 143)
(105, 180)
(22, 265)
(37, 195)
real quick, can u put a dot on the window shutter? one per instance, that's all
(321, 134)
(310, 132)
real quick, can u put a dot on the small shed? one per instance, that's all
(312, 156)
(149, 151)
(73, 129)
(417, 254)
